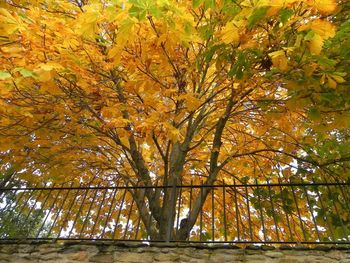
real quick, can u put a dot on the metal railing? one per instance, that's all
(270, 213)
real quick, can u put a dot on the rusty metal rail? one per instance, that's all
(269, 213)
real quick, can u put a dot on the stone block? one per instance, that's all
(78, 256)
(102, 258)
(133, 257)
(274, 254)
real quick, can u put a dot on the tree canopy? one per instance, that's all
(171, 92)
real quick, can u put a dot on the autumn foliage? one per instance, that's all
(171, 92)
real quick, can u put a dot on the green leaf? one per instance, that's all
(155, 11)
(310, 35)
(209, 4)
(285, 14)
(26, 73)
(138, 12)
(197, 3)
(4, 75)
(258, 15)
(238, 68)
(314, 114)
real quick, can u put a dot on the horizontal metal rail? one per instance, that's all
(266, 213)
(177, 186)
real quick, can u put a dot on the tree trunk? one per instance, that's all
(166, 224)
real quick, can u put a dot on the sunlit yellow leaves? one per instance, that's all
(333, 79)
(5, 90)
(9, 23)
(118, 122)
(323, 28)
(281, 3)
(321, 31)
(172, 132)
(124, 34)
(70, 43)
(13, 49)
(87, 23)
(110, 112)
(279, 60)
(191, 102)
(316, 44)
(323, 6)
(49, 85)
(230, 33)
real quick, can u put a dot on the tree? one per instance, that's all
(171, 92)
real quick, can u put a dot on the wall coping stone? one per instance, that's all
(98, 243)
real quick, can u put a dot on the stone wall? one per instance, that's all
(103, 252)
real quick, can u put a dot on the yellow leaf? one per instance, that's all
(49, 66)
(337, 78)
(114, 51)
(9, 23)
(28, 114)
(70, 43)
(43, 75)
(279, 60)
(281, 3)
(323, 28)
(193, 104)
(12, 49)
(310, 69)
(323, 6)
(331, 82)
(230, 33)
(316, 44)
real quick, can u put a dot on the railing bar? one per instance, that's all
(139, 219)
(186, 242)
(224, 201)
(261, 212)
(22, 207)
(189, 212)
(42, 208)
(311, 210)
(212, 215)
(68, 212)
(178, 211)
(25, 204)
(48, 213)
(98, 212)
(237, 211)
(109, 212)
(119, 212)
(273, 213)
(248, 210)
(88, 214)
(127, 222)
(298, 213)
(336, 210)
(31, 209)
(58, 213)
(76, 218)
(16, 202)
(183, 186)
(326, 217)
(287, 217)
(346, 199)
(201, 213)
(6, 186)
(149, 205)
